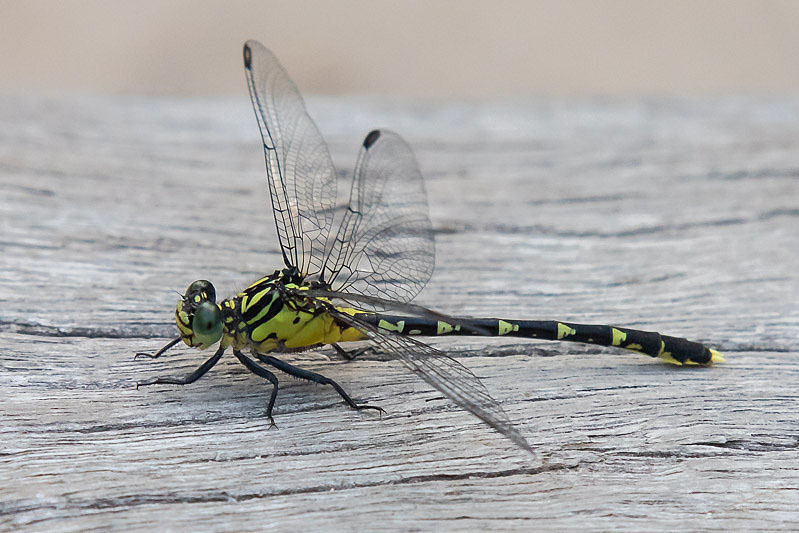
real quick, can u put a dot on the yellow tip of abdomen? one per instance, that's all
(716, 357)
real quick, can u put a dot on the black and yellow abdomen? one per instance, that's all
(670, 349)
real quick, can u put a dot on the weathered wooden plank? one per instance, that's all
(673, 215)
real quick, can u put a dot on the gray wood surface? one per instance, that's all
(677, 215)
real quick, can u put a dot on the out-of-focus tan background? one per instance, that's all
(430, 48)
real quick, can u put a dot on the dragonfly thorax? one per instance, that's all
(275, 314)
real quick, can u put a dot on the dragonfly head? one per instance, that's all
(198, 317)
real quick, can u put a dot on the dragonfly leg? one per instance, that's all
(157, 354)
(316, 378)
(258, 370)
(350, 355)
(185, 380)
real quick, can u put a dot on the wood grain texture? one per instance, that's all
(673, 215)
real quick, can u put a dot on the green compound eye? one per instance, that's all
(207, 324)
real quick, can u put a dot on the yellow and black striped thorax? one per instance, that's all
(270, 315)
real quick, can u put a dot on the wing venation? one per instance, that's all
(300, 172)
(443, 373)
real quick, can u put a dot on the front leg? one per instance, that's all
(185, 380)
(160, 352)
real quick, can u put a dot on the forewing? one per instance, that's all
(300, 172)
(442, 372)
(384, 246)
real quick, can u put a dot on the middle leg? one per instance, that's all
(258, 370)
(350, 355)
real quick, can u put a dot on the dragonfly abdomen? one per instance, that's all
(671, 349)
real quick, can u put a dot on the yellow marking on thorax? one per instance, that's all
(310, 329)
(346, 334)
(258, 282)
(240, 336)
(264, 309)
(288, 326)
(247, 302)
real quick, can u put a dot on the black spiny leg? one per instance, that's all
(258, 370)
(292, 370)
(185, 380)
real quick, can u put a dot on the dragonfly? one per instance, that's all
(355, 279)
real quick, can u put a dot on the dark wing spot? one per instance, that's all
(247, 56)
(296, 319)
(371, 138)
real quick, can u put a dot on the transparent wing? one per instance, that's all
(445, 374)
(384, 246)
(300, 172)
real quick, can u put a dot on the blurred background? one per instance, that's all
(439, 49)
